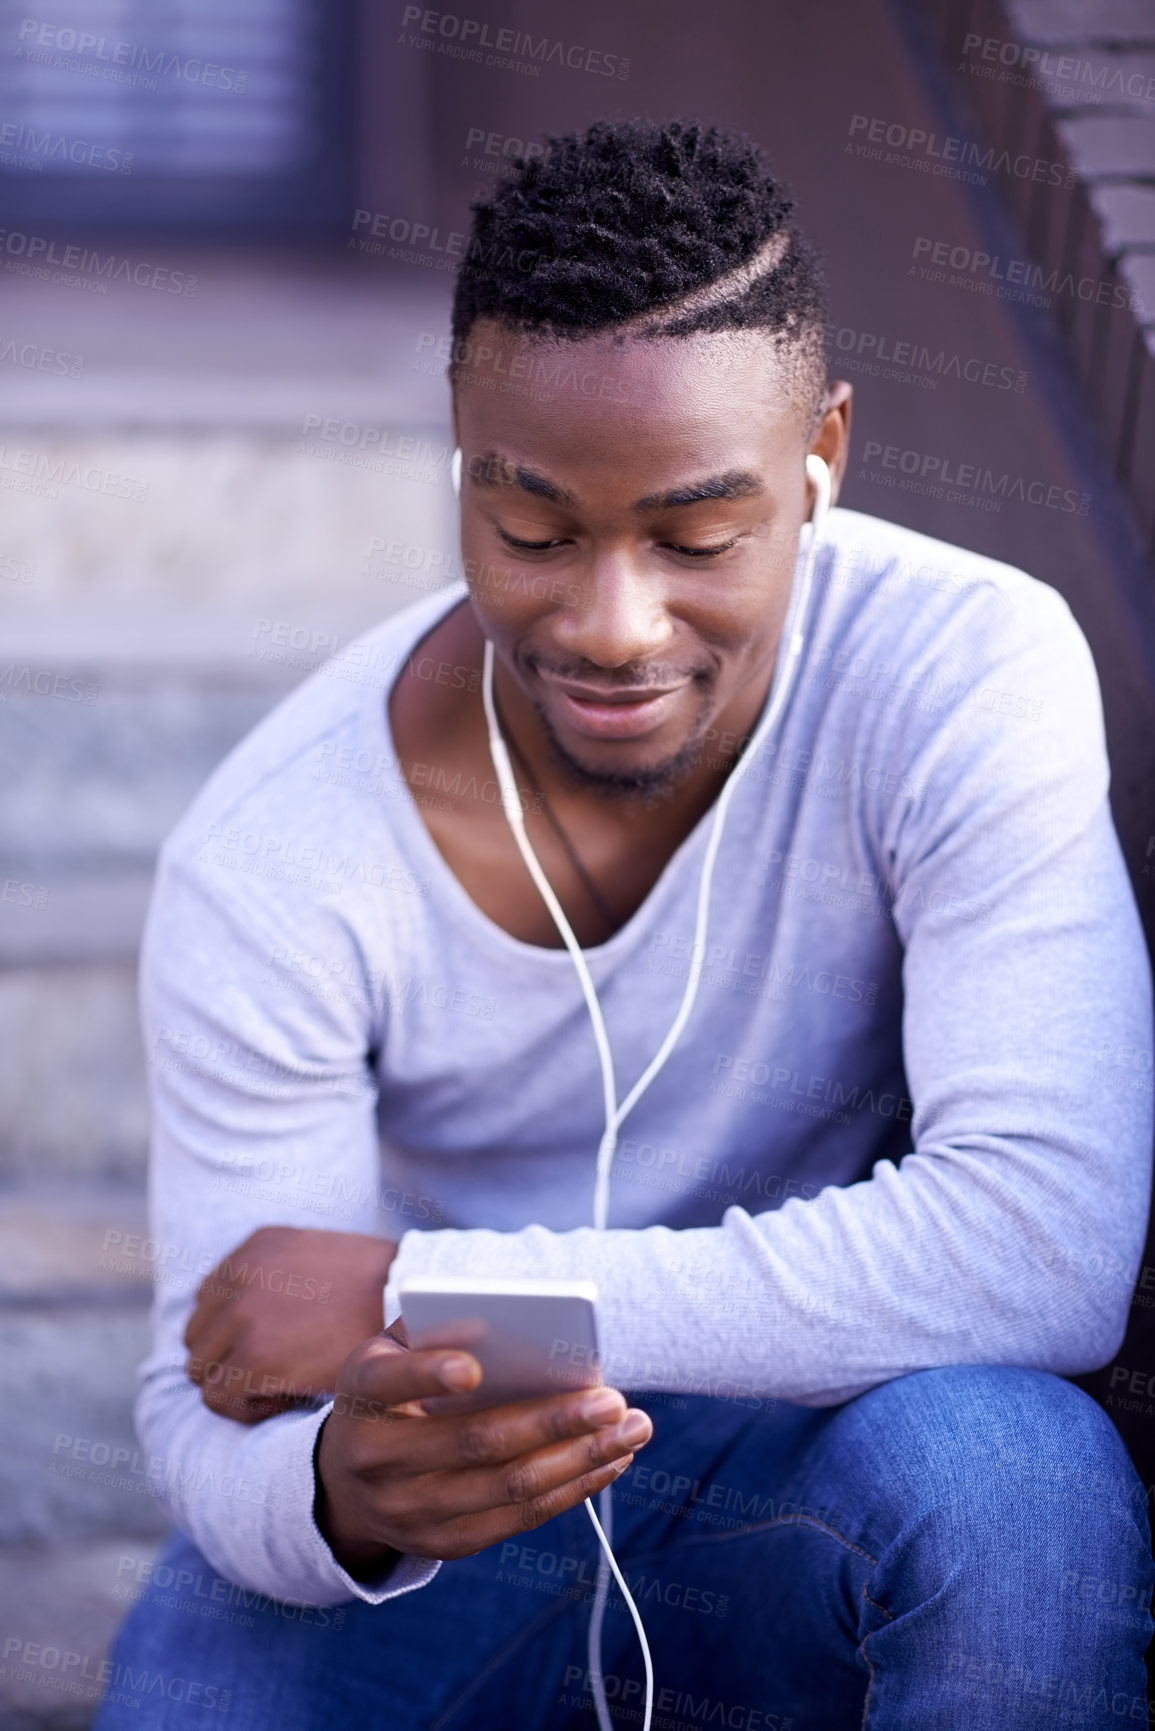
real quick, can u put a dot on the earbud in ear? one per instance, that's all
(818, 474)
(455, 471)
(817, 471)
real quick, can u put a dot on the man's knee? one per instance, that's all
(1004, 1476)
(1019, 1448)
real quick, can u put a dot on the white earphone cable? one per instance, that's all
(792, 641)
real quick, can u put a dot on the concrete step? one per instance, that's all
(73, 1104)
(70, 1465)
(74, 1292)
(76, 1245)
(95, 778)
(59, 1609)
(79, 1512)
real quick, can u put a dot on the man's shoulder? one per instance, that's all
(932, 602)
(324, 746)
(884, 570)
(918, 640)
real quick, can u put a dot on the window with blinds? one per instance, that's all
(175, 115)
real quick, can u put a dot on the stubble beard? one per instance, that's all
(643, 787)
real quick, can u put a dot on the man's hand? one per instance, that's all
(277, 1318)
(395, 1479)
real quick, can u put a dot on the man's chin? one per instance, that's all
(623, 780)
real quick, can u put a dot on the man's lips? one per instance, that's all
(613, 711)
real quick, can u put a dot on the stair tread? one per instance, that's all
(74, 1244)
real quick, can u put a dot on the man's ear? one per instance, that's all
(831, 442)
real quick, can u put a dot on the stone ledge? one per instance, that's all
(56, 1601)
(1028, 71)
(75, 923)
(75, 1108)
(70, 1463)
(1076, 22)
(64, 1244)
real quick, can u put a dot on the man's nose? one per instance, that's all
(618, 616)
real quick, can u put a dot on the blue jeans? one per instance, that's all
(965, 1547)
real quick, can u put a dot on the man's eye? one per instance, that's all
(703, 552)
(527, 546)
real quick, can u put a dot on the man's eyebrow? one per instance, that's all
(735, 484)
(491, 469)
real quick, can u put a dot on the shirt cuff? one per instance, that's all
(305, 1561)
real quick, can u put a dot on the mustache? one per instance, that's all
(622, 678)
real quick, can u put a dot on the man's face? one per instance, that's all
(630, 517)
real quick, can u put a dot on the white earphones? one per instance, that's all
(789, 654)
(789, 659)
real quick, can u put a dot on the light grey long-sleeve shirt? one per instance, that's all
(908, 1124)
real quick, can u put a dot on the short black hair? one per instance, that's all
(635, 223)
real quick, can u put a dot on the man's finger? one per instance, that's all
(495, 1436)
(530, 1477)
(473, 1533)
(381, 1373)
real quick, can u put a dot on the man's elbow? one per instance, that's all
(1088, 1336)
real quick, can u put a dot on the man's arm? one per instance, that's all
(263, 1113)
(1012, 1234)
(323, 1502)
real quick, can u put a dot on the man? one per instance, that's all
(875, 1205)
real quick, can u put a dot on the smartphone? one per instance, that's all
(530, 1337)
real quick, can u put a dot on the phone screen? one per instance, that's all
(528, 1343)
